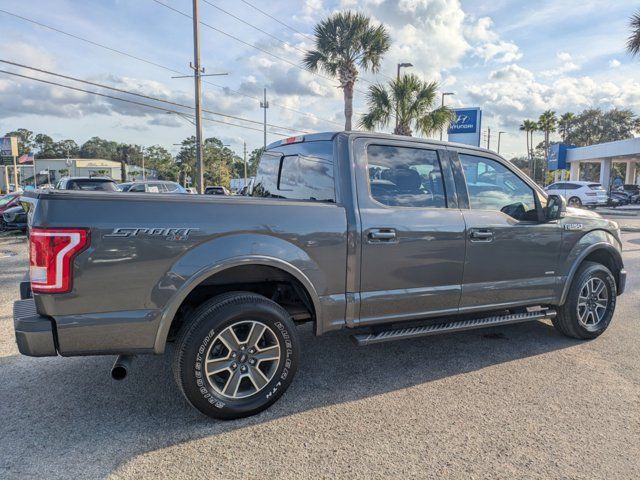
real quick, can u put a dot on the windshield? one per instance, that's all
(93, 185)
(6, 199)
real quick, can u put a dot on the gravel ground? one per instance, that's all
(516, 401)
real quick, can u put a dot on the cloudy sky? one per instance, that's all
(512, 58)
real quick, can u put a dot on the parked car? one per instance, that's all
(631, 188)
(216, 190)
(622, 197)
(437, 247)
(580, 194)
(9, 200)
(93, 184)
(14, 218)
(152, 186)
(191, 190)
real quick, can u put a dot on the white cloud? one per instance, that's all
(613, 63)
(500, 51)
(565, 64)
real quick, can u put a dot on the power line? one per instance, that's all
(164, 67)
(163, 109)
(128, 92)
(294, 30)
(267, 52)
(276, 19)
(286, 44)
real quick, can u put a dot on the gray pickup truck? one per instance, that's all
(387, 237)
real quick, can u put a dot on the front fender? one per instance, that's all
(226, 252)
(586, 245)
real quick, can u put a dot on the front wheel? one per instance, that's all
(590, 303)
(236, 355)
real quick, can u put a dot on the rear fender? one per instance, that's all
(227, 252)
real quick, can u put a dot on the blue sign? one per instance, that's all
(466, 127)
(557, 158)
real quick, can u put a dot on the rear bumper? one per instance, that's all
(34, 333)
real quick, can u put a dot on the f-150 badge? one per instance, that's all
(573, 226)
(168, 233)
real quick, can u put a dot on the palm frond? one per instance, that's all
(633, 42)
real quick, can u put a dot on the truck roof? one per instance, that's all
(315, 137)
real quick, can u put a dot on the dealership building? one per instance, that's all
(606, 163)
(56, 168)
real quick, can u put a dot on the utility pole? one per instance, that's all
(265, 105)
(499, 136)
(197, 71)
(488, 138)
(144, 172)
(15, 172)
(245, 164)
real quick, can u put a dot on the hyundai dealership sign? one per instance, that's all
(557, 158)
(466, 127)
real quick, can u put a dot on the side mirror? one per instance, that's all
(556, 207)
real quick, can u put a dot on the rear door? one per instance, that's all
(511, 254)
(412, 232)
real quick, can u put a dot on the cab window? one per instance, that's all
(405, 177)
(492, 186)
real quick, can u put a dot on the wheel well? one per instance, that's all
(606, 258)
(271, 282)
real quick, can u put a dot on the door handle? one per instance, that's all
(377, 235)
(481, 235)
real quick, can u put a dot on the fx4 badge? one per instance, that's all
(573, 226)
(176, 234)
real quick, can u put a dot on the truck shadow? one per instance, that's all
(68, 412)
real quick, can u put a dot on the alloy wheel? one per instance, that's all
(593, 301)
(242, 359)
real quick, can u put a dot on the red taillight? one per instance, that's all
(51, 252)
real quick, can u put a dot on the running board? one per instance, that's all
(449, 327)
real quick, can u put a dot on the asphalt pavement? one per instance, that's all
(518, 401)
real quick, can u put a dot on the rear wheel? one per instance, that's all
(236, 355)
(574, 202)
(590, 303)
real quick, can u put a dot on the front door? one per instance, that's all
(511, 254)
(412, 233)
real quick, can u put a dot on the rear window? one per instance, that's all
(92, 185)
(595, 186)
(298, 172)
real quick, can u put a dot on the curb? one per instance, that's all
(629, 229)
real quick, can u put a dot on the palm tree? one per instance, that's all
(529, 126)
(633, 43)
(566, 122)
(547, 123)
(415, 101)
(344, 42)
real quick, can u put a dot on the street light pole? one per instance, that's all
(499, 137)
(197, 70)
(400, 65)
(444, 94)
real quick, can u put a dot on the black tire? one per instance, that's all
(200, 335)
(574, 202)
(567, 320)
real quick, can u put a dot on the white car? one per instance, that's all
(579, 194)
